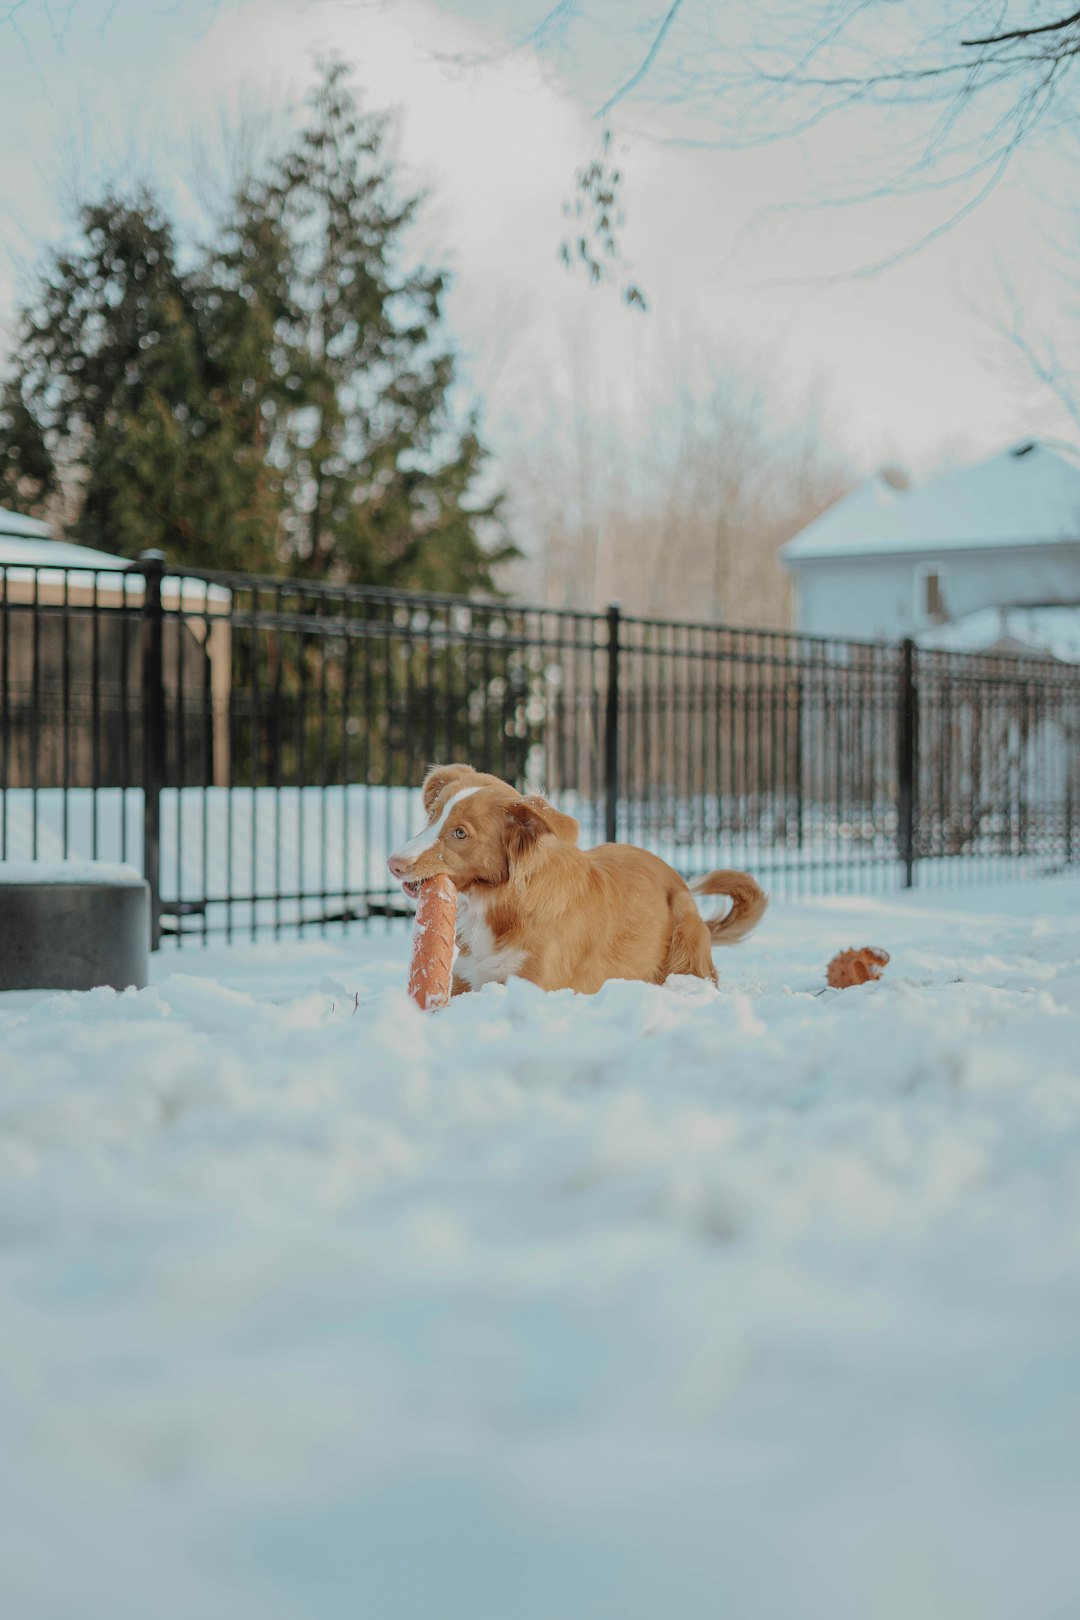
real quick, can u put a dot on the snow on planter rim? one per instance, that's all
(88, 872)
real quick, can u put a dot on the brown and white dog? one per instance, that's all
(534, 905)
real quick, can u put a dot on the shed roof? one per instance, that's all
(27, 551)
(1028, 495)
(13, 523)
(38, 551)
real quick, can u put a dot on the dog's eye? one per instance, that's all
(460, 832)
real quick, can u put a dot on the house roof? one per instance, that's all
(1028, 495)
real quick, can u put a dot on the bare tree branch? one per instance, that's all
(775, 72)
(651, 55)
(1024, 33)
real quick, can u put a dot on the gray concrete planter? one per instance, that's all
(73, 926)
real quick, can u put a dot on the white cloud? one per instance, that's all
(497, 146)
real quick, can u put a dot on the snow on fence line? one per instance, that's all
(262, 861)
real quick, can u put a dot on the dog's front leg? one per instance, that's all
(461, 987)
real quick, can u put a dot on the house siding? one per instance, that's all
(874, 598)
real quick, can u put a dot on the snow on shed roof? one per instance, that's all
(1028, 495)
(35, 555)
(13, 523)
(39, 551)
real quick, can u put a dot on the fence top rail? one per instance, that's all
(436, 635)
(283, 585)
(287, 585)
(220, 587)
(124, 579)
(795, 637)
(989, 665)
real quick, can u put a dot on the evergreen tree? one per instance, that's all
(117, 406)
(379, 486)
(283, 399)
(81, 407)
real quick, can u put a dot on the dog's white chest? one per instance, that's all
(481, 961)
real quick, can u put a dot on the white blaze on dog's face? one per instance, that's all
(477, 825)
(432, 851)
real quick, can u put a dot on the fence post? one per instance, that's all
(908, 727)
(1071, 730)
(152, 567)
(611, 728)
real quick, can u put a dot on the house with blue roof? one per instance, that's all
(984, 557)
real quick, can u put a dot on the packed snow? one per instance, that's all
(753, 1302)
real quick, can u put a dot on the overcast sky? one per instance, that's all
(904, 367)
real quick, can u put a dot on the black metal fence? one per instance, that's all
(255, 745)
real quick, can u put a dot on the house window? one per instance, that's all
(930, 605)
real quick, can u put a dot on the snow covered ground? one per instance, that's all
(668, 1303)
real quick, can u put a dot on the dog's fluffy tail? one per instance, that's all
(748, 902)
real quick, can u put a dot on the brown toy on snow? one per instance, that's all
(856, 967)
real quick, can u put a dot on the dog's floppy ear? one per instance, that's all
(438, 779)
(529, 820)
(558, 822)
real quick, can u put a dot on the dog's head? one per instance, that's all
(479, 830)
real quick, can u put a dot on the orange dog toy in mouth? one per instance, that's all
(431, 966)
(856, 967)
